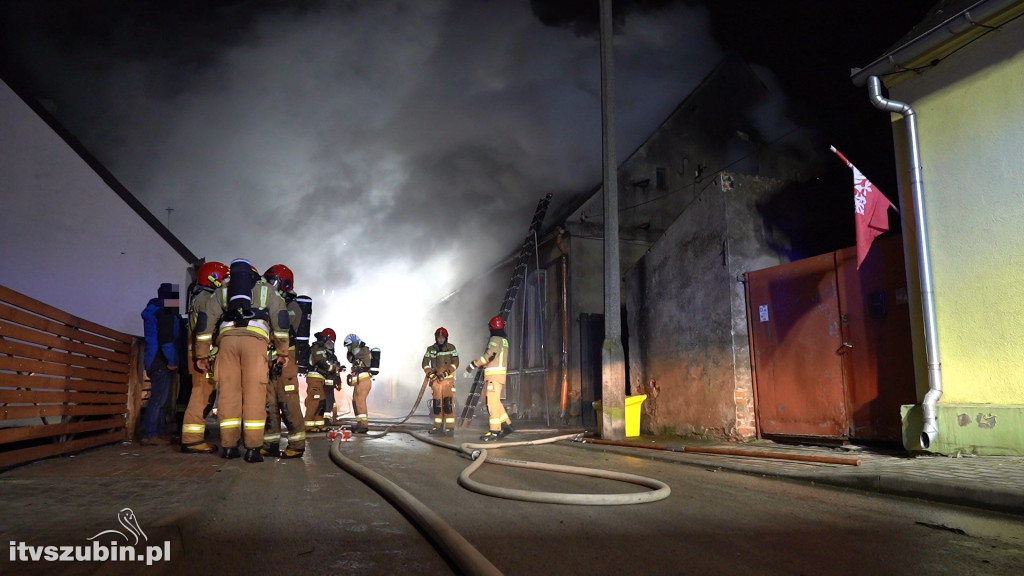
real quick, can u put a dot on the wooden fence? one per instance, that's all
(65, 382)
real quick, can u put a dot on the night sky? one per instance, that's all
(389, 148)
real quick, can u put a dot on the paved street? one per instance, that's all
(309, 516)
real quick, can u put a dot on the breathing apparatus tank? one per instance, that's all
(374, 361)
(302, 335)
(239, 304)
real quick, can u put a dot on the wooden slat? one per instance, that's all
(22, 333)
(53, 369)
(55, 364)
(14, 457)
(20, 412)
(46, 383)
(62, 396)
(22, 301)
(22, 433)
(39, 323)
(20, 350)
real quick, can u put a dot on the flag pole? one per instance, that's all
(841, 157)
(852, 167)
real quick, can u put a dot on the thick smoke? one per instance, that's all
(385, 151)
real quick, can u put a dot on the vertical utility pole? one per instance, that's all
(613, 371)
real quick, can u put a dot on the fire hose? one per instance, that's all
(453, 545)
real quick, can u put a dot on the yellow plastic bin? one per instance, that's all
(633, 404)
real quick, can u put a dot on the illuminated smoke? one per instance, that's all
(385, 151)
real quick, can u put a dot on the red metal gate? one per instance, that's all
(830, 345)
(795, 334)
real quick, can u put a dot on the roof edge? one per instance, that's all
(980, 14)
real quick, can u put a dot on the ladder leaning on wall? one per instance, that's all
(515, 283)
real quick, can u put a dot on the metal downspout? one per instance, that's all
(928, 405)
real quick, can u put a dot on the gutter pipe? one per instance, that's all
(931, 398)
(978, 14)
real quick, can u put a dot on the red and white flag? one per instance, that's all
(870, 210)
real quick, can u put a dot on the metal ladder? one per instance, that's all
(514, 284)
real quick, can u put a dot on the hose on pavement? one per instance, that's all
(479, 454)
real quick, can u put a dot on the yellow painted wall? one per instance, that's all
(970, 114)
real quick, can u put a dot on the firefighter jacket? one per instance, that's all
(200, 300)
(494, 360)
(442, 360)
(269, 322)
(324, 362)
(359, 357)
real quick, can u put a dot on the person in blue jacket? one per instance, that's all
(161, 323)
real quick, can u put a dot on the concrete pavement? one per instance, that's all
(993, 483)
(69, 498)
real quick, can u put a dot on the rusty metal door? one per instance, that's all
(796, 345)
(879, 359)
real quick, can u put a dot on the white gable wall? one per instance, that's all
(67, 238)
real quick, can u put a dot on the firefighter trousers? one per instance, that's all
(193, 425)
(359, 393)
(495, 409)
(443, 393)
(315, 403)
(283, 405)
(241, 372)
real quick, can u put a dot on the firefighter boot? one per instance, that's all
(229, 453)
(290, 453)
(199, 448)
(252, 455)
(506, 429)
(491, 436)
(270, 450)
(360, 428)
(435, 430)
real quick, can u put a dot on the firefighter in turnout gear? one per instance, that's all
(210, 276)
(252, 315)
(494, 361)
(283, 389)
(440, 362)
(360, 379)
(324, 371)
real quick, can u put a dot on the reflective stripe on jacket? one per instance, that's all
(495, 359)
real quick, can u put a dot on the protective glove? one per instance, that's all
(432, 376)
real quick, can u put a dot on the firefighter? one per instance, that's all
(440, 362)
(324, 372)
(494, 361)
(211, 276)
(283, 388)
(360, 379)
(252, 315)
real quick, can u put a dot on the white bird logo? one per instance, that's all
(127, 519)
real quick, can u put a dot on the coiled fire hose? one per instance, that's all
(478, 453)
(453, 545)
